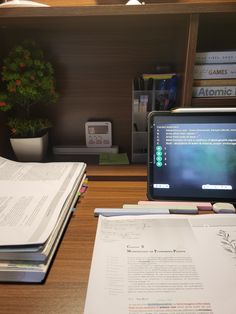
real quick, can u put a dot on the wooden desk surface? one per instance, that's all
(65, 287)
(117, 173)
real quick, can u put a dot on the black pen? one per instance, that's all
(141, 83)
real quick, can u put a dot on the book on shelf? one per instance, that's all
(149, 82)
(215, 71)
(36, 201)
(158, 76)
(227, 56)
(219, 82)
(214, 91)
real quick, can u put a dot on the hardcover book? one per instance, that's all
(221, 82)
(214, 91)
(158, 76)
(215, 71)
(216, 57)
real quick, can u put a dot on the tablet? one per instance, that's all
(192, 156)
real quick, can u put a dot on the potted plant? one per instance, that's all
(27, 84)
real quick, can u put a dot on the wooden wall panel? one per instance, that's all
(217, 32)
(96, 59)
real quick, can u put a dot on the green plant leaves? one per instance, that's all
(28, 127)
(27, 77)
(27, 81)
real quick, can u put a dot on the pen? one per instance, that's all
(141, 83)
(150, 84)
(108, 212)
(172, 208)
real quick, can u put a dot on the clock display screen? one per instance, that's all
(98, 129)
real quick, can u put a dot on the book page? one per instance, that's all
(32, 196)
(163, 264)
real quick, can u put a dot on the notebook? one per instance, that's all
(192, 156)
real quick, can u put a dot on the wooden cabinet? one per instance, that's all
(97, 50)
(216, 32)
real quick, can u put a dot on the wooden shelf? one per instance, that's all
(117, 173)
(97, 50)
(74, 8)
(214, 102)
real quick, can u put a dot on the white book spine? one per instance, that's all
(215, 71)
(215, 57)
(214, 91)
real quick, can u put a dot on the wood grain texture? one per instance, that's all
(108, 7)
(98, 49)
(64, 290)
(95, 60)
(214, 102)
(190, 59)
(122, 170)
(112, 2)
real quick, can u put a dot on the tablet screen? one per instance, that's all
(192, 156)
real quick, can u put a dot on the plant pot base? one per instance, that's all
(30, 149)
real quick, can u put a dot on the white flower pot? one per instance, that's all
(30, 149)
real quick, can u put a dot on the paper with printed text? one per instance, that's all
(163, 264)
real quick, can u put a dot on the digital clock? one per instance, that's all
(98, 134)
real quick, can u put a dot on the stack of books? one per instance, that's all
(36, 202)
(215, 74)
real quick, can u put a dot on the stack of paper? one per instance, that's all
(36, 201)
(163, 264)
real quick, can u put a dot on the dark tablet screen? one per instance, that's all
(192, 156)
